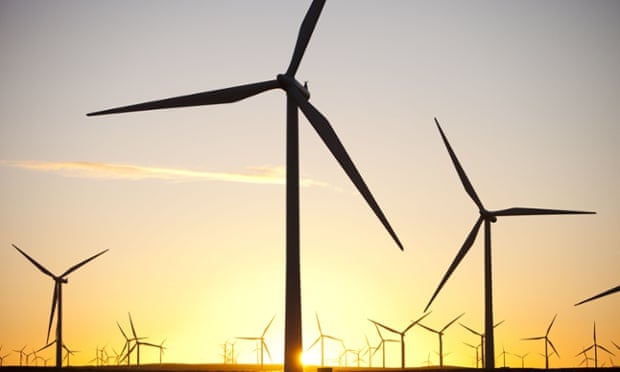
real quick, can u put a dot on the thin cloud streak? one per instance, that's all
(269, 175)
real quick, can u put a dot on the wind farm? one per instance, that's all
(192, 202)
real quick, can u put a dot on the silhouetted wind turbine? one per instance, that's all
(263, 344)
(138, 341)
(402, 335)
(522, 357)
(321, 338)
(371, 351)
(382, 343)
(602, 294)
(440, 334)
(482, 340)
(3, 356)
(297, 98)
(57, 299)
(487, 217)
(475, 348)
(69, 352)
(503, 354)
(595, 346)
(21, 354)
(547, 342)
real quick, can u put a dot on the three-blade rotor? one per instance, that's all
(293, 88)
(485, 215)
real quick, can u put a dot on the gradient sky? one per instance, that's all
(190, 201)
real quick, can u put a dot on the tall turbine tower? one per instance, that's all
(297, 96)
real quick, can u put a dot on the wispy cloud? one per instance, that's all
(272, 175)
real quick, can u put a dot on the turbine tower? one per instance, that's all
(547, 342)
(402, 335)
(297, 96)
(487, 217)
(57, 298)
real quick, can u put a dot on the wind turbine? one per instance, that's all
(57, 299)
(127, 346)
(371, 351)
(402, 335)
(522, 357)
(161, 350)
(69, 352)
(487, 217)
(595, 346)
(3, 356)
(382, 343)
(475, 348)
(440, 335)
(547, 342)
(297, 98)
(21, 354)
(503, 354)
(322, 338)
(482, 340)
(263, 344)
(138, 342)
(602, 294)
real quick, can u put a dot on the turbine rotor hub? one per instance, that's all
(488, 216)
(288, 82)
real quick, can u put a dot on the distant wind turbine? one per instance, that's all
(595, 346)
(503, 354)
(440, 334)
(477, 354)
(261, 340)
(57, 299)
(69, 352)
(487, 217)
(3, 356)
(402, 335)
(522, 357)
(382, 343)
(482, 340)
(321, 338)
(297, 98)
(21, 354)
(138, 342)
(127, 346)
(602, 294)
(547, 342)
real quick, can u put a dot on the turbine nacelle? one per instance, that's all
(287, 82)
(488, 216)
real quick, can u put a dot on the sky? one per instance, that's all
(190, 202)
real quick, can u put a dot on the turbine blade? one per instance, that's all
(266, 349)
(314, 343)
(452, 322)
(213, 97)
(123, 332)
(498, 323)
(305, 32)
(534, 212)
(616, 345)
(333, 338)
(35, 263)
(604, 348)
(428, 328)
(268, 325)
(602, 294)
(471, 330)
(75, 267)
(133, 330)
(54, 303)
(534, 338)
(384, 326)
(318, 323)
(550, 325)
(469, 241)
(331, 140)
(459, 169)
(553, 347)
(415, 322)
(248, 338)
(44, 347)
